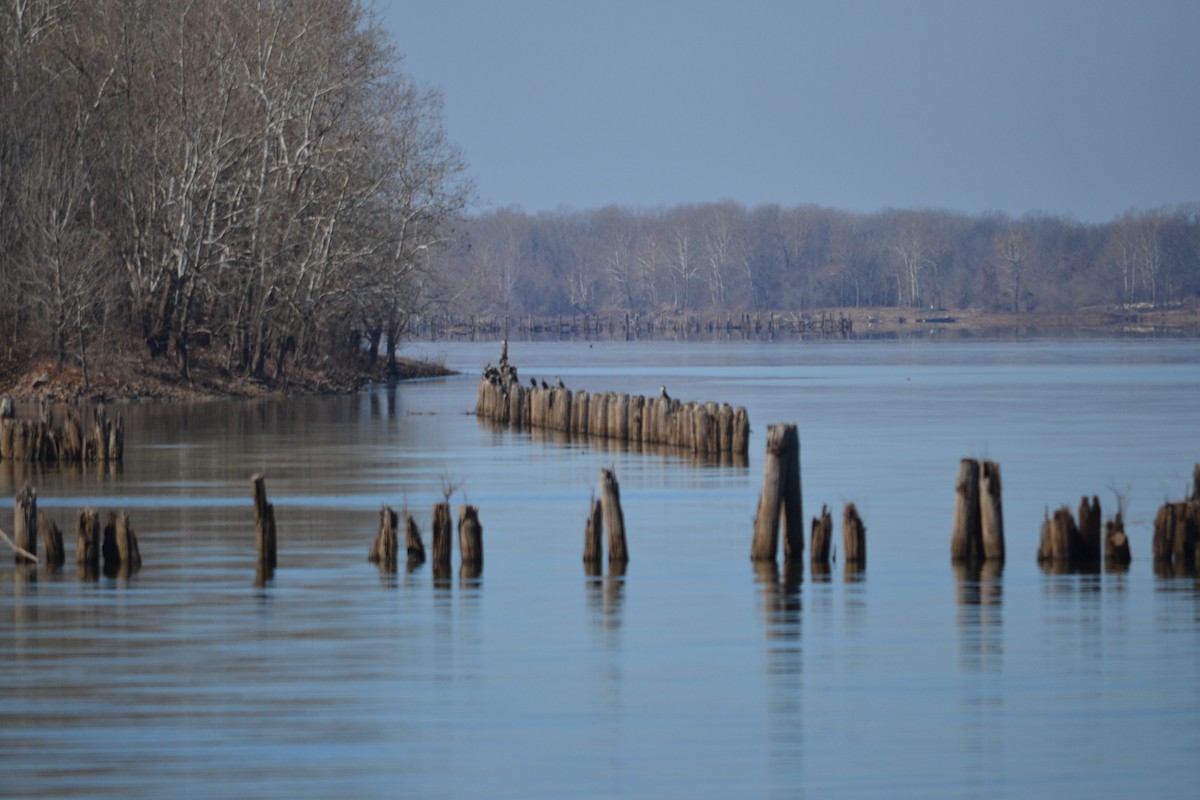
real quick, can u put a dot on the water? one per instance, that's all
(693, 675)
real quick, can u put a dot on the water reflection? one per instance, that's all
(606, 593)
(782, 607)
(979, 595)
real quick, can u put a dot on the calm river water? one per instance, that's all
(694, 674)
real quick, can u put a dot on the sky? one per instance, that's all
(1077, 109)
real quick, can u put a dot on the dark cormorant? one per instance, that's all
(533, 382)
(544, 384)
(561, 385)
(663, 391)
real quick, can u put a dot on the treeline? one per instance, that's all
(257, 179)
(726, 257)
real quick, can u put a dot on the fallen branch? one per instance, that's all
(19, 550)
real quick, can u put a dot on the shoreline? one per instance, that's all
(125, 378)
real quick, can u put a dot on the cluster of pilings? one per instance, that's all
(1070, 541)
(69, 440)
(706, 429)
(113, 546)
(603, 512)
(386, 549)
(1177, 531)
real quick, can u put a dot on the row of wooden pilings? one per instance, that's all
(115, 545)
(68, 440)
(977, 534)
(706, 429)
(386, 549)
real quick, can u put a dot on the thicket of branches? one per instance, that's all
(259, 179)
(728, 258)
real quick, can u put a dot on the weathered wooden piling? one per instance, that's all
(264, 524)
(1116, 543)
(1060, 542)
(991, 512)
(25, 523)
(442, 527)
(593, 533)
(87, 539)
(386, 547)
(412, 541)
(52, 540)
(1090, 523)
(470, 535)
(120, 547)
(966, 541)
(780, 496)
(614, 517)
(854, 536)
(46, 440)
(822, 538)
(1176, 531)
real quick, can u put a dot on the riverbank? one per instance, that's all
(124, 378)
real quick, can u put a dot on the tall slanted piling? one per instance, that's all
(614, 517)
(386, 547)
(593, 532)
(854, 536)
(442, 543)
(780, 497)
(470, 536)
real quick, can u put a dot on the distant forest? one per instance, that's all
(724, 257)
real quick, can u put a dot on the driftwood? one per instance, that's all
(21, 553)
(780, 497)
(614, 517)
(264, 524)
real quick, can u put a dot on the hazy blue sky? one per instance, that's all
(1083, 109)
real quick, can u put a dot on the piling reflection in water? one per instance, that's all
(783, 617)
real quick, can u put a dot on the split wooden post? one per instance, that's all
(822, 538)
(386, 546)
(1116, 543)
(128, 554)
(1089, 529)
(25, 522)
(87, 539)
(442, 545)
(593, 533)
(780, 496)
(991, 512)
(52, 540)
(1060, 538)
(264, 523)
(470, 536)
(412, 541)
(614, 517)
(854, 536)
(966, 541)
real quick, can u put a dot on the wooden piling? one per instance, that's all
(412, 541)
(1116, 543)
(1089, 529)
(87, 539)
(386, 547)
(52, 540)
(470, 535)
(25, 522)
(1060, 538)
(264, 523)
(593, 533)
(822, 537)
(966, 542)
(442, 528)
(129, 554)
(780, 496)
(614, 517)
(991, 512)
(854, 536)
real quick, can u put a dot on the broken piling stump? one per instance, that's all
(854, 536)
(413, 543)
(470, 536)
(1060, 542)
(1116, 543)
(264, 524)
(991, 512)
(87, 540)
(593, 533)
(614, 517)
(822, 539)
(442, 528)
(978, 527)
(780, 497)
(25, 523)
(386, 546)
(119, 547)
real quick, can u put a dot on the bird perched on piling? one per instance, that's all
(544, 384)
(663, 391)
(561, 385)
